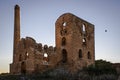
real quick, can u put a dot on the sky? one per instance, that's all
(38, 21)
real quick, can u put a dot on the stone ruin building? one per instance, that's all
(74, 47)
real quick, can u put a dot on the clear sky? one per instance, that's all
(38, 21)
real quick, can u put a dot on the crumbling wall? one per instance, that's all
(75, 40)
(74, 48)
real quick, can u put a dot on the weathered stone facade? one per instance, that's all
(74, 47)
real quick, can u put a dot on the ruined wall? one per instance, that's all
(30, 57)
(75, 40)
(74, 48)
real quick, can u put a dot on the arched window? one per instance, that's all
(64, 54)
(80, 53)
(89, 55)
(84, 41)
(63, 41)
(64, 24)
(20, 57)
(45, 57)
(83, 27)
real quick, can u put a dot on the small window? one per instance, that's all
(63, 41)
(84, 41)
(63, 32)
(64, 24)
(45, 57)
(80, 53)
(83, 27)
(89, 55)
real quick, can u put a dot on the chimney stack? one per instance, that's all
(16, 28)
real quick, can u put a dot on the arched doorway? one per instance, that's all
(64, 56)
(23, 68)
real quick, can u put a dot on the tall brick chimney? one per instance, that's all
(16, 29)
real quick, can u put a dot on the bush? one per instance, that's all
(100, 67)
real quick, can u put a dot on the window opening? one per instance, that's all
(80, 53)
(63, 41)
(23, 68)
(64, 24)
(45, 57)
(89, 56)
(83, 27)
(63, 32)
(84, 41)
(64, 54)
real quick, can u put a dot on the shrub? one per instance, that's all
(100, 67)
